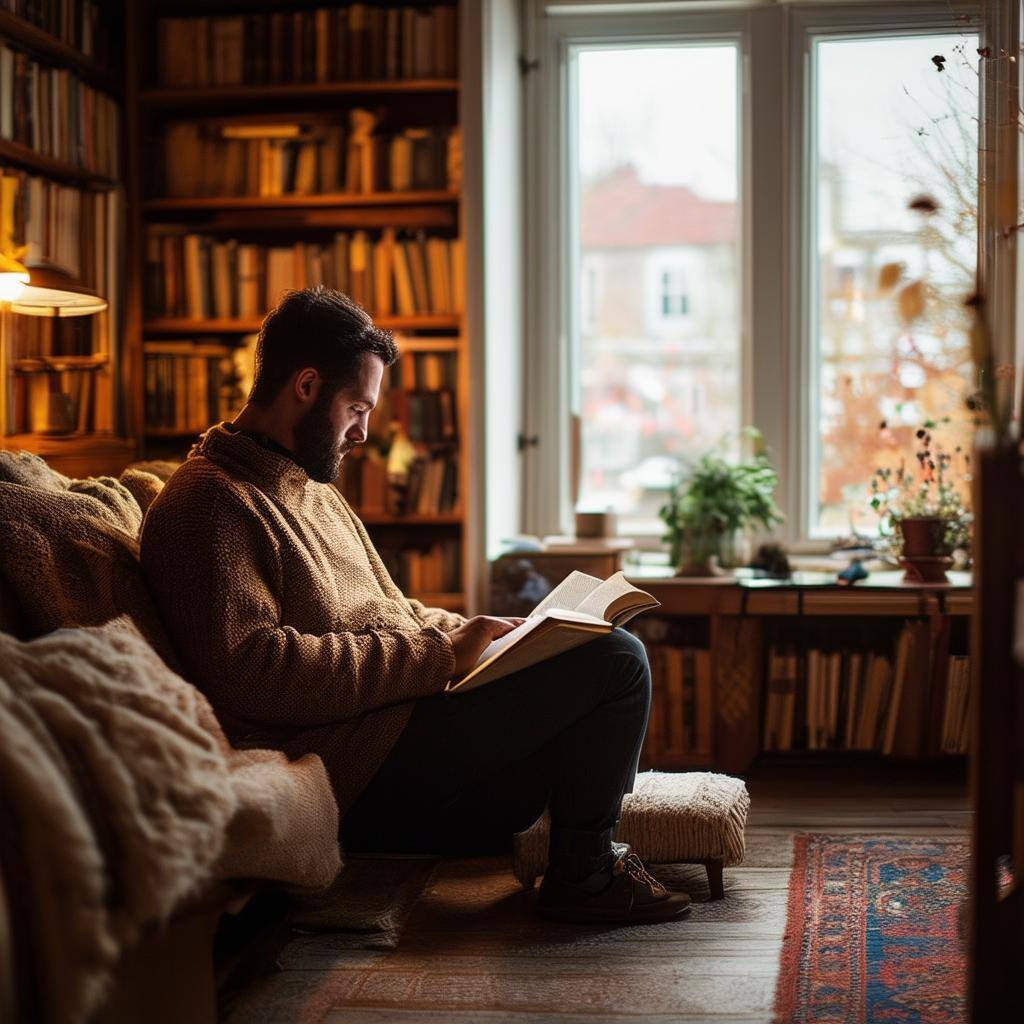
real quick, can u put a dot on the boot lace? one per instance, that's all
(632, 865)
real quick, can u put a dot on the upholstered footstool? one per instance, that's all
(669, 818)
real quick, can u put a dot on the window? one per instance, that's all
(673, 299)
(741, 184)
(655, 147)
(879, 139)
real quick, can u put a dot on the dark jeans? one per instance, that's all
(471, 769)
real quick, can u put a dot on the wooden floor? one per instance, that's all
(473, 951)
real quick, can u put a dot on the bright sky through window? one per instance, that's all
(888, 127)
(656, 141)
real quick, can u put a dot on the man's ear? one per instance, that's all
(307, 384)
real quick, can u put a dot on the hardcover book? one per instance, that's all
(577, 611)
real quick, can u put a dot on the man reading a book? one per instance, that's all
(285, 616)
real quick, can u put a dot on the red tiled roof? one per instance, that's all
(621, 211)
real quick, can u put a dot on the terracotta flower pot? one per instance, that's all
(923, 559)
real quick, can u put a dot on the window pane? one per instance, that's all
(658, 282)
(889, 127)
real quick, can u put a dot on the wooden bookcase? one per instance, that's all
(296, 85)
(715, 709)
(62, 380)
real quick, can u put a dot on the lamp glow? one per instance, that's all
(13, 278)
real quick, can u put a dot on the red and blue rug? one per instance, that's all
(872, 935)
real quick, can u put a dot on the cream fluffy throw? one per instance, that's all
(125, 798)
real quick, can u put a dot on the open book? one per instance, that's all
(579, 609)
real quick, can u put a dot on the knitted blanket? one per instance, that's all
(125, 799)
(119, 793)
(70, 555)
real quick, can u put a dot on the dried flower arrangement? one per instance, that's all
(930, 488)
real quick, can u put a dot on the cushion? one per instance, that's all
(70, 555)
(669, 817)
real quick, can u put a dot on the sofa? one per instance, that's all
(128, 823)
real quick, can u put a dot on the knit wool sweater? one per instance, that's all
(283, 612)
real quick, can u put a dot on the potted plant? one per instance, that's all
(922, 515)
(714, 502)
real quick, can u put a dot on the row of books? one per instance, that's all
(210, 159)
(680, 723)
(355, 42)
(428, 486)
(188, 386)
(198, 276)
(432, 570)
(54, 113)
(54, 402)
(428, 417)
(421, 371)
(74, 22)
(62, 226)
(955, 737)
(35, 337)
(850, 699)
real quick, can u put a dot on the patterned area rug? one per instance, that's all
(873, 932)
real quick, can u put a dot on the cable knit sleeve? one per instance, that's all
(216, 572)
(443, 619)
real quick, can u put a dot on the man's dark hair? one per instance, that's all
(316, 327)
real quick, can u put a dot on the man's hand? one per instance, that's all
(470, 639)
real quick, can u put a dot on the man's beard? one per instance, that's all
(315, 448)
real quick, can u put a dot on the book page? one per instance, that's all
(513, 636)
(553, 639)
(570, 593)
(614, 599)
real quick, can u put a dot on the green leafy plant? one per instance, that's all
(715, 500)
(927, 488)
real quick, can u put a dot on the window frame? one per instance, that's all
(774, 47)
(807, 27)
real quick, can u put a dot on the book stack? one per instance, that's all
(200, 277)
(188, 386)
(360, 41)
(955, 737)
(680, 724)
(74, 22)
(431, 570)
(292, 158)
(849, 699)
(51, 111)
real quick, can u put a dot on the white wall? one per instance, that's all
(492, 225)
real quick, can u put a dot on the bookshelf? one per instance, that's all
(276, 145)
(62, 195)
(749, 671)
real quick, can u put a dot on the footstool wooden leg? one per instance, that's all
(715, 883)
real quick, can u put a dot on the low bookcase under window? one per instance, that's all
(780, 672)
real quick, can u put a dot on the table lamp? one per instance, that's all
(45, 292)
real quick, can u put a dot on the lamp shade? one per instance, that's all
(54, 293)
